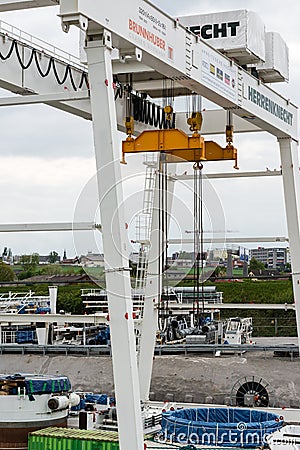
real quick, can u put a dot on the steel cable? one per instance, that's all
(51, 65)
(149, 113)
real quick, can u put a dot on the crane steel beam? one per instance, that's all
(65, 101)
(174, 52)
(58, 100)
(28, 83)
(230, 240)
(13, 5)
(214, 122)
(16, 79)
(49, 99)
(63, 226)
(226, 175)
(93, 319)
(51, 318)
(215, 306)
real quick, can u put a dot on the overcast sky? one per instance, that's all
(47, 160)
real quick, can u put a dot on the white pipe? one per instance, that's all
(53, 298)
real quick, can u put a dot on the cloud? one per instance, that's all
(44, 24)
(40, 130)
(33, 189)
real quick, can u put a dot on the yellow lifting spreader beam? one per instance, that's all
(177, 146)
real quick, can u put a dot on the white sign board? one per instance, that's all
(140, 23)
(218, 73)
(265, 104)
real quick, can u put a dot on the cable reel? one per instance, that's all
(252, 391)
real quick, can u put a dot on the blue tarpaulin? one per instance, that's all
(100, 399)
(41, 384)
(47, 385)
(23, 336)
(228, 427)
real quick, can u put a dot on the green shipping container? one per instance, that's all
(54, 438)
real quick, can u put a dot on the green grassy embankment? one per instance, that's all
(266, 322)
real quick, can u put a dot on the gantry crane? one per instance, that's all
(148, 56)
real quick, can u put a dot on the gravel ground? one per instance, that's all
(198, 378)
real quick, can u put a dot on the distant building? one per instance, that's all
(92, 260)
(71, 261)
(272, 258)
(45, 259)
(221, 254)
(217, 254)
(185, 259)
(16, 259)
(176, 274)
(64, 279)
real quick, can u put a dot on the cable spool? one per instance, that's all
(208, 327)
(252, 391)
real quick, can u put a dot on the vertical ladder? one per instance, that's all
(143, 223)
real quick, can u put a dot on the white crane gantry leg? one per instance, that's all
(114, 245)
(291, 186)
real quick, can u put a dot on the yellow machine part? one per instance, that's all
(214, 152)
(178, 145)
(173, 142)
(129, 125)
(195, 121)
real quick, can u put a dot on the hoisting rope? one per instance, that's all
(168, 121)
(194, 107)
(163, 239)
(198, 240)
(35, 55)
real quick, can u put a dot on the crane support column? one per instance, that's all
(115, 245)
(291, 186)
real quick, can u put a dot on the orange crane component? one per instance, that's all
(178, 146)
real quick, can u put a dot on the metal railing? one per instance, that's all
(44, 47)
(287, 349)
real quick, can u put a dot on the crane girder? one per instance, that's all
(171, 51)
